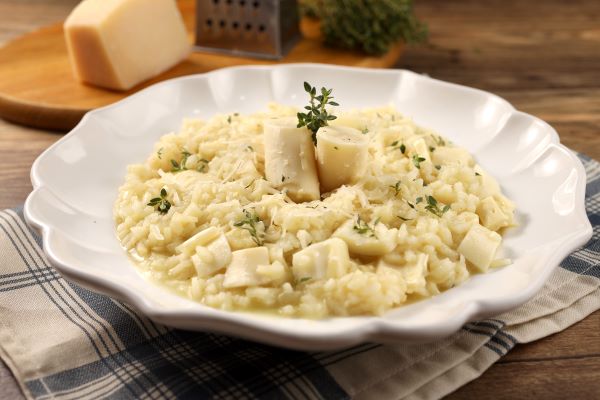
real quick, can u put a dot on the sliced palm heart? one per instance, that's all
(327, 259)
(378, 243)
(341, 156)
(290, 159)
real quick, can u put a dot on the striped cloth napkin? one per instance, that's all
(62, 341)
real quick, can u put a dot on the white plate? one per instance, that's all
(75, 184)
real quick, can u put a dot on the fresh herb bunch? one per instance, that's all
(317, 115)
(249, 223)
(161, 203)
(369, 26)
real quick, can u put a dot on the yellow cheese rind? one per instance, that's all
(119, 43)
(341, 156)
(290, 159)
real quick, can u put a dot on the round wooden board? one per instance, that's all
(37, 87)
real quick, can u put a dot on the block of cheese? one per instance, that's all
(117, 44)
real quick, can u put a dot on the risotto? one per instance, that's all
(245, 212)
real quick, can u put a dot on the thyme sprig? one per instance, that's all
(317, 116)
(434, 207)
(249, 224)
(396, 187)
(161, 203)
(363, 228)
(180, 166)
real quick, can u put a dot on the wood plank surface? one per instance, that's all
(544, 57)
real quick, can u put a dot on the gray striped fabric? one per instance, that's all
(62, 341)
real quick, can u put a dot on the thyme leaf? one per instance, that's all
(434, 207)
(396, 187)
(249, 223)
(161, 203)
(180, 166)
(363, 228)
(417, 160)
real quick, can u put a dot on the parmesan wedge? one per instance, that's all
(119, 43)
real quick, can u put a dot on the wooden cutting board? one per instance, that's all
(37, 87)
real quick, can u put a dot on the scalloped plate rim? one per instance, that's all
(377, 329)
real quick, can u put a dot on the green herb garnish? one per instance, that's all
(438, 167)
(249, 224)
(159, 153)
(317, 115)
(418, 200)
(161, 203)
(404, 219)
(396, 187)
(417, 160)
(402, 147)
(180, 166)
(434, 208)
(249, 148)
(363, 228)
(364, 131)
(202, 165)
(306, 278)
(477, 174)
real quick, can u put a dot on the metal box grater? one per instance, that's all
(256, 28)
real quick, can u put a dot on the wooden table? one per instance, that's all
(544, 57)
